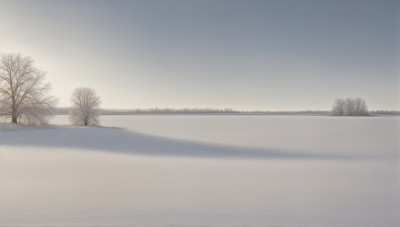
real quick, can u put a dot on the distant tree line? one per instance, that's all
(160, 111)
(194, 111)
(184, 110)
(384, 112)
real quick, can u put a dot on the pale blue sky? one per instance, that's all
(265, 55)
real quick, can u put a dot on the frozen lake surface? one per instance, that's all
(203, 171)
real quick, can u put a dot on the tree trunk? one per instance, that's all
(14, 119)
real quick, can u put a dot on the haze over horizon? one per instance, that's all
(244, 55)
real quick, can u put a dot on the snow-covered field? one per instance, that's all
(203, 171)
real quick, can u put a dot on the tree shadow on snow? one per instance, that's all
(121, 140)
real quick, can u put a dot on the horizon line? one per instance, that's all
(166, 109)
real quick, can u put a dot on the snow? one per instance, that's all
(120, 140)
(202, 171)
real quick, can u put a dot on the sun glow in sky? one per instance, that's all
(265, 55)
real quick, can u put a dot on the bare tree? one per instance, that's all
(360, 106)
(23, 91)
(350, 107)
(338, 107)
(85, 107)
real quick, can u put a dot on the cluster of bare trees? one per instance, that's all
(24, 95)
(350, 107)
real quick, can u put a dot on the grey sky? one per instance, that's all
(266, 55)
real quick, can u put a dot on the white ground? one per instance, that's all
(203, 171)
